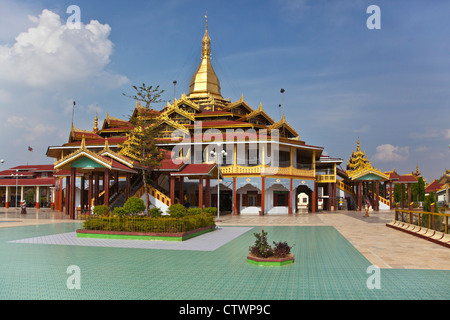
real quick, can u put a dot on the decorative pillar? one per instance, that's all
(181, 193)
(7, 197)
(82, 198)
(97, 187)
(208, 193)
(329, 196)
(116, 181)
(263, 190)
(200, 193)
(234, 196)
(360, 195)
(106, 188)
(313, 200)
(72, 193)
(402, 203)
(172, 189)
(90, 181)
(335, 196)
(409, 196)
(67, 194)
(290, 192)
(377, 199)
(38, 197)
(391, 196)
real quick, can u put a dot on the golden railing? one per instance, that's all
(384, 200)
(266, 170)
(326, 178)
(341, 185)
(430, 220)
(158, 195)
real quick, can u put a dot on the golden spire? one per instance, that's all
(205, 81)
(206, 42)
(95, 122)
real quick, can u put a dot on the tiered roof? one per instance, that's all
(204, 103)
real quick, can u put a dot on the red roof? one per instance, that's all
(435, 185)
(111, 141)
(39, 167)
(407, 178)
(28, 182)
(219, 123)
(393, 176)
(196, 169)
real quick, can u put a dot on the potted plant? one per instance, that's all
(262, 253)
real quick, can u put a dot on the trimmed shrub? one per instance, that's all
(101, 210)
(147, 224)
(194, 211)
(134, 205)
(211, 211)
(176, 210)
(155, 212)
(119, 212)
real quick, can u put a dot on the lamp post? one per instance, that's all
(215, 154)
(17, 181)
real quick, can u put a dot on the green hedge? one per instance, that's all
(147, 224)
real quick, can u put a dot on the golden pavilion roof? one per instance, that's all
(357, 159)
(204, 82)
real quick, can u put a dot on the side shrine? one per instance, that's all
(216, 153)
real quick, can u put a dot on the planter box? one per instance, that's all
(270, 261)
(81, 233)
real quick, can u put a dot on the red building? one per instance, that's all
(33, 183)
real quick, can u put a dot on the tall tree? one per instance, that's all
(141, 141)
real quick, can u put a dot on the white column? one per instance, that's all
(7, 196)
(21, 193)
(38, 197)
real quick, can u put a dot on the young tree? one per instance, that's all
(141, 141)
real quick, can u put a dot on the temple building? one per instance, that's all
(216, 153)
(33, 183)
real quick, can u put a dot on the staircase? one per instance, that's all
(384, 204)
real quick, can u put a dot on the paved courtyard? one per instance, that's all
(333, 255)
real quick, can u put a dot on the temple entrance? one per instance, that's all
(303, 199)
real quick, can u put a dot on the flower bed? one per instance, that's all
(262, 253)
(270, 261)
(180, 236)
(163, 228)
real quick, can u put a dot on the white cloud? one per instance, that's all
(421, 149)
(390, 153)
(42, 71)
(50, 54)
(447, 134)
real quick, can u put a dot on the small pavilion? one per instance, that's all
(106, 166)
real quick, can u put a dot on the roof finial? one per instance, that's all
(206, 42)
(96, 122)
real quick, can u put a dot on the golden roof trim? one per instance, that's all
(81, 150)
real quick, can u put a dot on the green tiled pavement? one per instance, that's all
(326, 266)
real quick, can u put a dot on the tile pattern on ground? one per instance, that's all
(206, 242)
(327, 266)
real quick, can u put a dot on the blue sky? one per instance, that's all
(389, 87)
